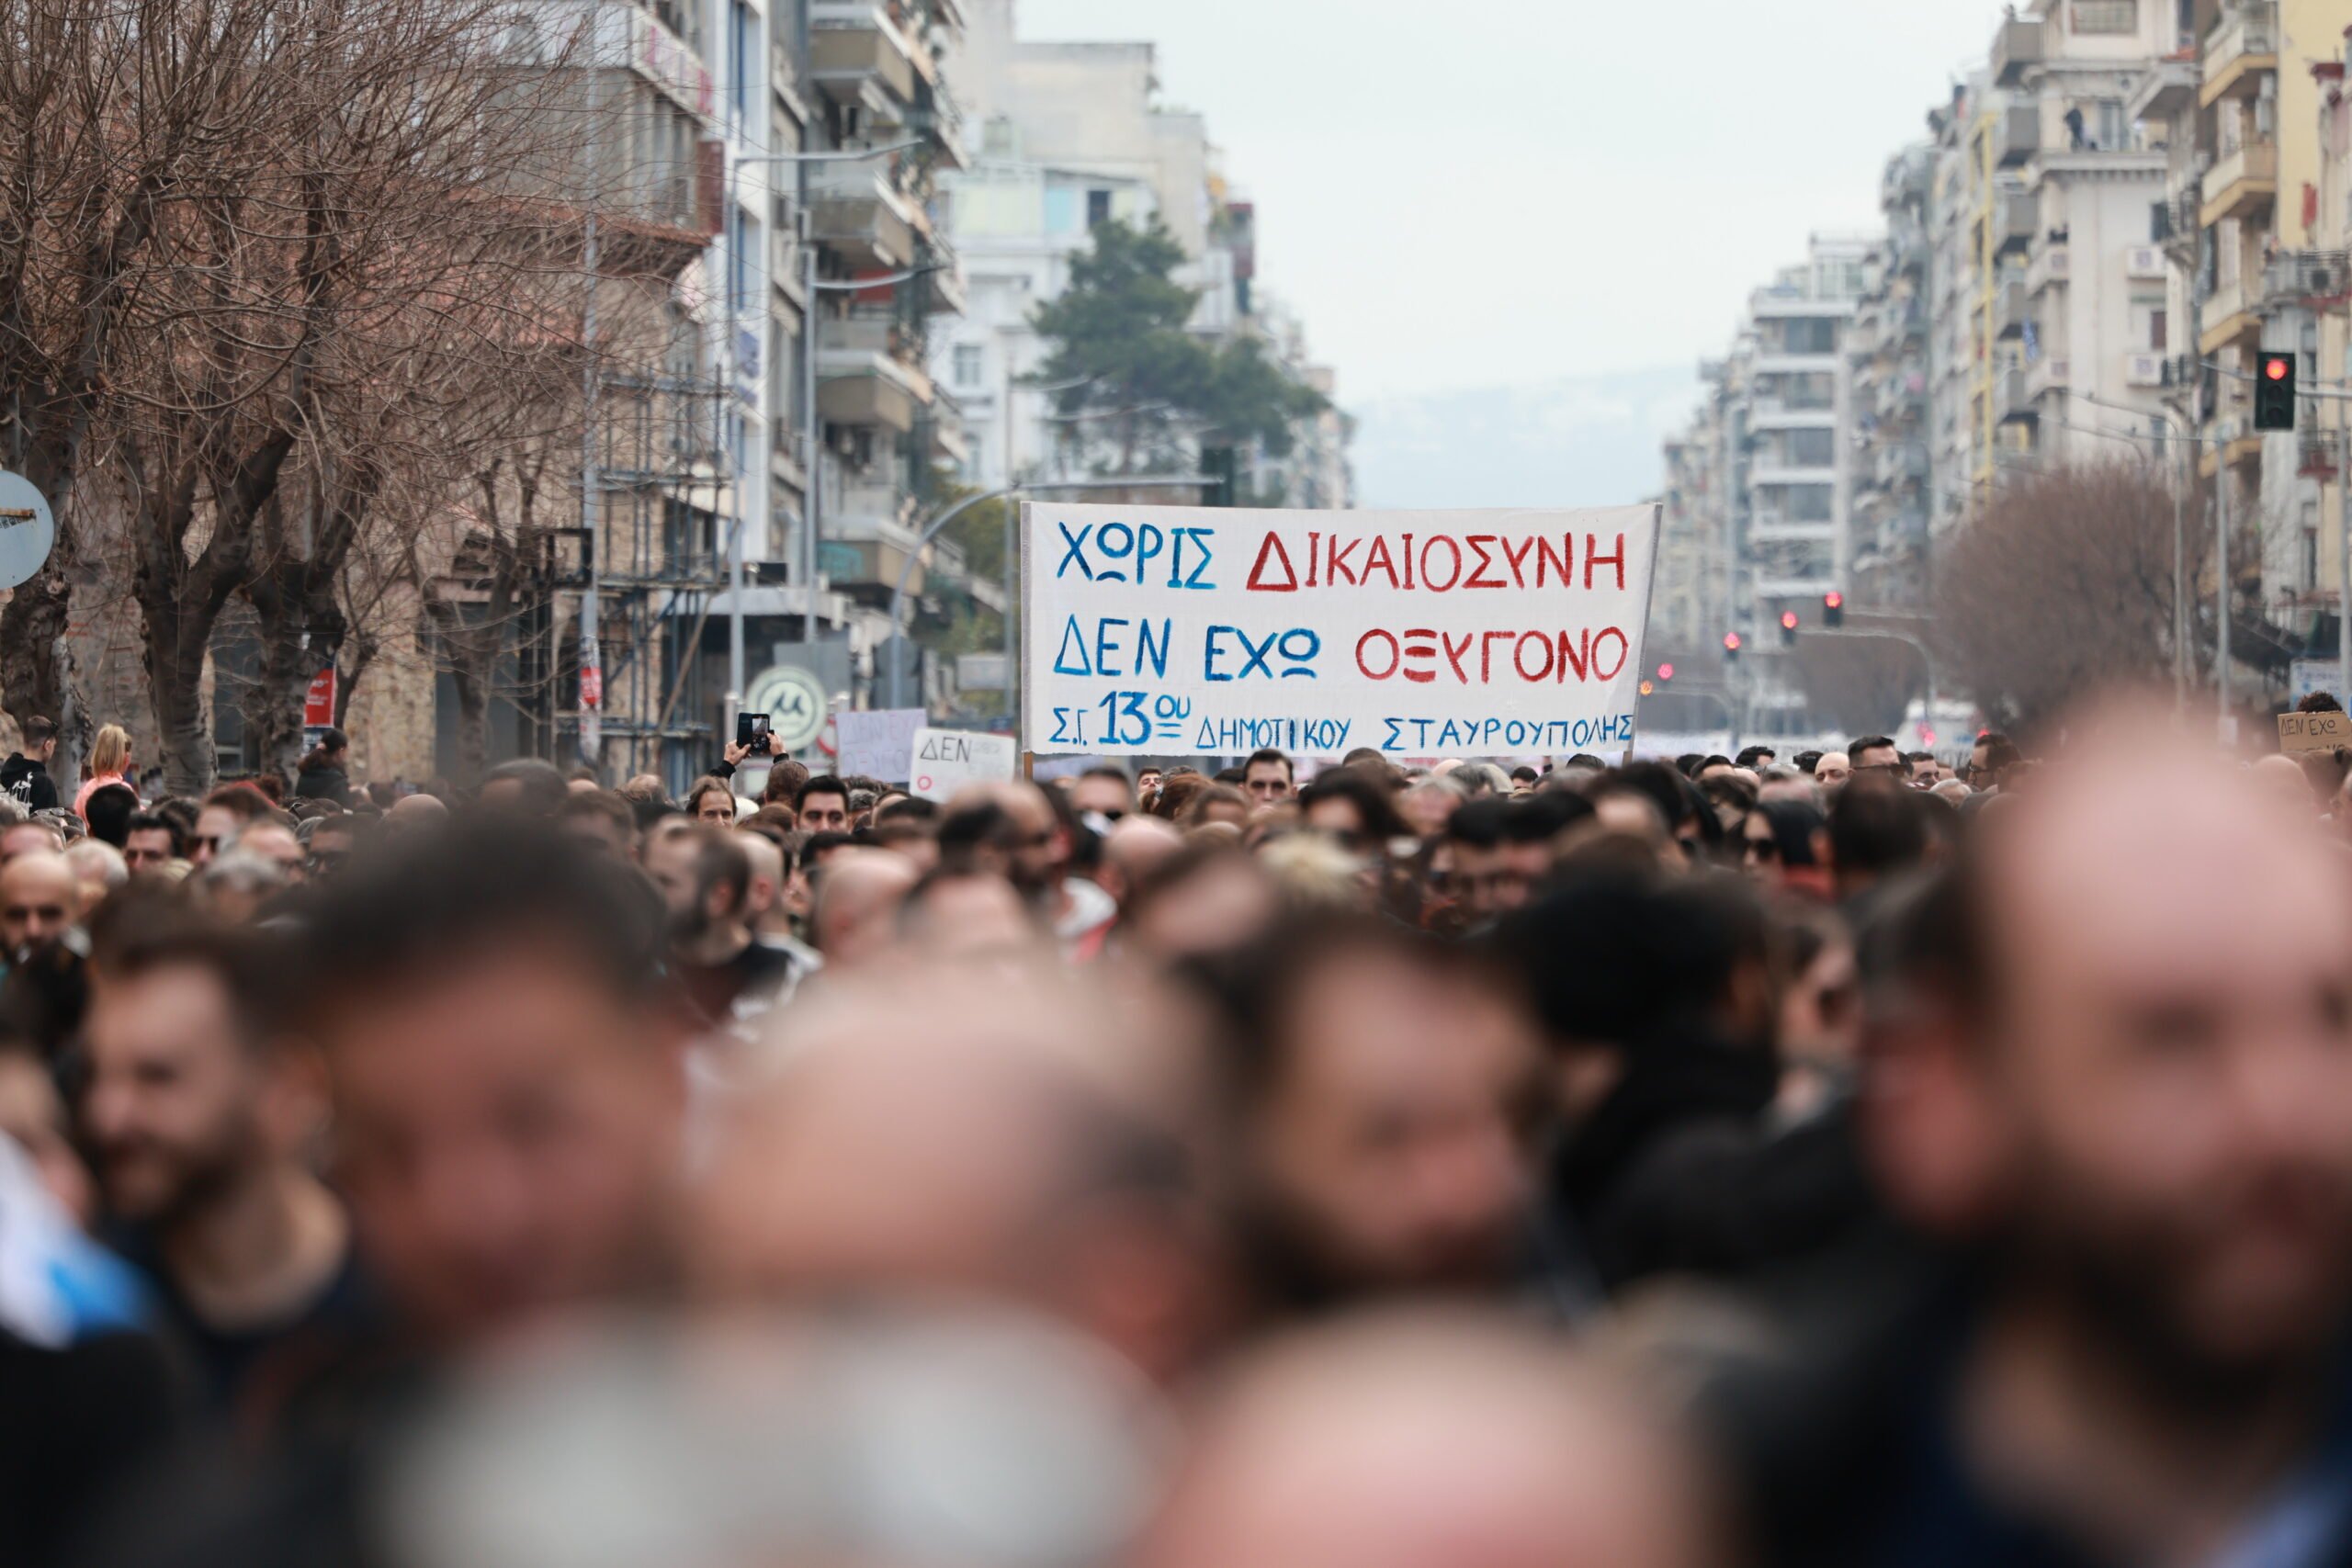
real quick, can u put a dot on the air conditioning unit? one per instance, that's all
(2144, 261)
(2144, 370)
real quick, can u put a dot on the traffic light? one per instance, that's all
(1833, 610)
(1221, 468)
(1788, 628)
(1664, 674)
(2273, 392)
(1731, 648)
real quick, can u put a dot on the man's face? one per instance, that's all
(1106, 795)
(173, 1106)
(1878, 758)
(147, 849)
(1393, 1147)
(1494, 881)
(1148, 779)
(509, 1133)
(1267, 783)
(1833, 771)
(215, 825)
(1039, 849)
(2169, 1067)
(599, 832)
(1980, 766)
(671, 864)
(276, 843)
(38, 899)
(824, 812)
(330, 850)
(1924, 771)
(715, 806)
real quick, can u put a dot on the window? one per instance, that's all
(1098, 208)
(967, 365)
(2159, 330)
(1812, 448)
(742, 40)
(2106, 17)
(1810, 503)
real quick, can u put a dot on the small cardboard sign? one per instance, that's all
(944, 760)
(2300, 732)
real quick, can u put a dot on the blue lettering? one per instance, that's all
(1150, 540)
(1395, 739)
(1300, 655)
(1145, 653)
(1106, 648)
(1126, 547)
(1200, 536)
(1073, 644)
(1074, 550)
(1209, 653)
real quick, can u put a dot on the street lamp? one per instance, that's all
(931, 532)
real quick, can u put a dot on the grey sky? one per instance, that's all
(1514, 191)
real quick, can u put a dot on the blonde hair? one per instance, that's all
(110, 753)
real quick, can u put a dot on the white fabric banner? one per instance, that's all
(1160, 630)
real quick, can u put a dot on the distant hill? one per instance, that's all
(1582, 441)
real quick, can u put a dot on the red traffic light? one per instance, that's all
(1731, 642)
(1665, 672)
(2277, 367)
(1833, 601)
(1788, 620)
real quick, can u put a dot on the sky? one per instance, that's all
(1514, 191)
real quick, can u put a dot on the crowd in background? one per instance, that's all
(1835, 1158)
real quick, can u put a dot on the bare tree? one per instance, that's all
(236, 230)
(2063, 585)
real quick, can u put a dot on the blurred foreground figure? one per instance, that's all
(989, 1127)
(2118, 1103)
(899, 1438)
(1429, 1444)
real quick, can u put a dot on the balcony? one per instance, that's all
(2245, 183)
(2048, 374)
(859, 59)
(2017, 135)
(2147, 370)
(2314, 279)
(2011, 310)
(2240, 53)
(2015, 403)
(2015, 220)
(2053, 262)
(862, 380)
(2018, 46)
(2230, 316)
(1773, 527)
(853, 212)
(1769, 471)
(2167, 90)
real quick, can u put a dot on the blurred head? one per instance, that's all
(1134, 848)
(1877, 754)
(224, 815)
(1834, 769)
(961, 1127)
(1382, 1088)
(33, 1114)
(98, 870)
(506, 1071)
(1430, 1442)
(1429, 805)
(1217, 803)
(276, 843)
(1104, 792)
(526, 786)
(29, 838)
(712, 801)
(2131, 1074)
(149, 842)
(194, 1087)
(110, 752)
(108, 812)
(1268, 778)
(600, 820)
(1206, 897)
(701, 876)
(40, 900)
(331, 841)
(40, 738)
(233, 889)
(856, 915)
(954, 913)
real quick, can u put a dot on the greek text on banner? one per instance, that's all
(1166, 630)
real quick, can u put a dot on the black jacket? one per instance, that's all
(325, 781)
(30, 782)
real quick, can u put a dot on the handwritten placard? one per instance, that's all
(2300, 732)
(873, 742)
(942, 761)
(1151, 630)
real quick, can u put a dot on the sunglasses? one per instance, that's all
(1764, 848)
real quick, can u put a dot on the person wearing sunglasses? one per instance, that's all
(1102, 792)
(1787, 841)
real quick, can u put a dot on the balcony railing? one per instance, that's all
(2010, 309)
(2244, 35)
(2016, 218)
(2244, 177)
(2051, 263)
(2021, 45)
(2295, 278)
(2018, 135)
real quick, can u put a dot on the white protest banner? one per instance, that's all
(942, 761)
(873, 742)
(1158, 630)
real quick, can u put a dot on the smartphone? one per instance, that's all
(752, 730)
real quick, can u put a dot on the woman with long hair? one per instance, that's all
(110, 764)
(324, 772)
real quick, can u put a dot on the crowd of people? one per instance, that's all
(1826, 1159)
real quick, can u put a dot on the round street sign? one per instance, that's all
(28, 533)
(795, 701)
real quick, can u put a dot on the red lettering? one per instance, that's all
(1518, 559)
(1272, 549)
(1313, 539)
(1486, 655)
(1479, 578)
(1579, 659)
(1377, 559)
(1591, 560)
(1624, 649)
(1394, 656)
(1453, 655)
(1409, 561)
(1519, 656)
(1420, 643)
(1565, 562)
(1338, 570)
(1428, 577)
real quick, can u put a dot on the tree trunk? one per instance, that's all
(301, 632)
(36, 665)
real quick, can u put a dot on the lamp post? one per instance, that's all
(931, 532)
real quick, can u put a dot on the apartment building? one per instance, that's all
(1800, 421)
(1956, 197)
(1886, 349)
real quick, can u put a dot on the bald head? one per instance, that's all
(39, 897)
(1134, 848)
(411, 809)
(857, 904)
(1430, 1443)
(2149, 1095)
